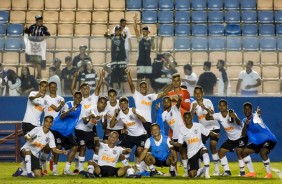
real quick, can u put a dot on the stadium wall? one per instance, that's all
(13, 109)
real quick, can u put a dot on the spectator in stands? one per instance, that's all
(249, 80)
(145, 45)
(3, 74)
(14, 83)
(89, 76)
(82, 56)
(207, 80)
(126, 31)
(224, 87)
(53, 77)
(57, 63)
(190, 79)
(29, 82)
(36, 45)
(67, 75)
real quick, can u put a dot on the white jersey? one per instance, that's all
(193, 138)
(108, 156)
(233, 130)
(190, 87)
(144, 104)
(110, 113)
(89, 101)
(201, 113)
(48, 111)
(40, 140)
(34, 109)
(133, 125)
(158, 143)
(86, 112)
(249, 79)
(174, 120)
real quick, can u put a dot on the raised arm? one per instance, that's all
(73, 83)
(100, 82)
(114, 119)
(141, 118)
(137, 33)
(57, 109)
(130, 82)
(165, 92)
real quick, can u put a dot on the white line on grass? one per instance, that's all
(278, 172)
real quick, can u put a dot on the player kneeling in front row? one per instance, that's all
(36, 139)
(108, 155)
(162, 152)
(192, 135)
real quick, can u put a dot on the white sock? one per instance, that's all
(24, 166)
(185, 165)
(215, 159)
(249, 163)
(241, 165)
(127, 156)
(152, 167)
(81, 163)
(130, 171)
(76, 160)
(267, 165)
(125, 162)
(143, 166)
(172, 168)
(43, 158)
(28, 163)
(67, 167)
(55, 167)
(95, 158)
(90, 169)
(200, 163)
(206, 160)
(224, 163)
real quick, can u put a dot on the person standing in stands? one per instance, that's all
(66, 76)
(249, 80)
(82, 56)
(36, 45)
(29, 82)
(57, 63)
(53, 77)
(89, 76)
(145, 45)
(224, 87)
(207, 80)
(190, 79)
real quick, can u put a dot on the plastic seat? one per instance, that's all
(182, 43)
(199, 43)
(278, 29)
(270, 72)
(65, 30)
(52, 28)
(215, 16)
(182, 17)
(269, 57)
(3, 30)
(98, 29)
(233, 43)
(5, 5)
(264, 5)
(249, 29)
(265, 16)
(35, 4)
(278, 16)
(115, 16)
(149, 17)
(99, 17)
(271, 87)
(17, 16)
(251, 43)
(67, 17)
(98, 44)
(82, 30)
(13, 43)
(182, 5)
(182, 29)
(51, 17)
(216, 29)
(168, 44)
(64, 44)
(83, 17)
(84, 4)
(2, 43)
(199, 30)
(248, 4)
(166, 4)
(19, 4)
(68, 4)
(165, 17)
(117, 5)
(232, 16)
(234, 58)
(231, 4)
(215, 4)
(279, 43)
(267, 43)
(217, 43)
(129, 19)
(199, 16)
(101, 5)
(4, 16)
(199, 4)
(249, 16)
(52, 5)
(233, 29)
(15, 30)
(266, 30)
(11, 58)
(133, 4)
(30, 16)
(277, 5)
(150, 4)
(166, 30)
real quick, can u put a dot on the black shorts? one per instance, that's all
(120, 135)
(118, 71)
(177, 149)
(107, 171)
(27, 127)
(35, 163)
(147, 127)
(160, 163)
(85, 138)
(131, 141)
(231, 145)
(268, 145)
(65, 142)
(205, 138)
(193, 162)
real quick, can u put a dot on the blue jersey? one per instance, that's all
(258, 132)
(162, 151)
(66, 125)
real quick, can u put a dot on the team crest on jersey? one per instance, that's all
(149, 98)
(82, 143)
(131, 117)
(47, 139)
(58, 101)
(58, 140)
(196, 131)
(171, 114)
(45, 102)
(89, 99)
(266, 144)
(114, 152)
(241, 143)
(142, 143)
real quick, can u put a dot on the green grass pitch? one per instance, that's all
(7, 169)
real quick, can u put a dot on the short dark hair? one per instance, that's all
(183, 87)
(154, 124)
(43, 82)
(223, 101)
(122, 20)
(83, 84)
(123, 99)
(168, 97)
(143, 82)
(187, 67)
(52, 82)
(49, 116)
(114, 132)
(53, 68)
(251, 62)
(176, 75)
(102, 98)
(187, 113)
(77, 93)
(207, 64)
(248, 104)
(221, 62)
(198, 87)
(112, 90)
